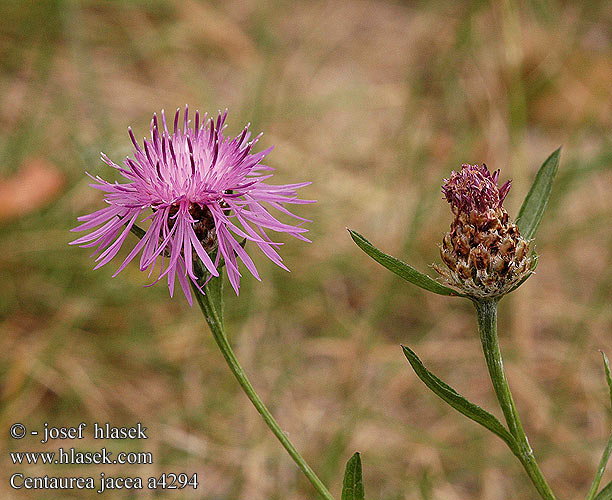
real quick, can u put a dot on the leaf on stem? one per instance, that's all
(459, 403)
(532, 210)
(352, 486)
(606, 493)
(402, 269)
(608, 378)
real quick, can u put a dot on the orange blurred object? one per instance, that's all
(35, 184)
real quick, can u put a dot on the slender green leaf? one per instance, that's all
(352, 486)
(403, 270)
(608, 449)
(459, 403)
(532, 210)
(605, 493)
(608, 378)
(600, 471)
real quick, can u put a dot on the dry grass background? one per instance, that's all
(375, 102)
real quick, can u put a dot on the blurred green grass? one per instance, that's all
(375, 102)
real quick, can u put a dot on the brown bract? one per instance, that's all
(204, 227)
(484, 253)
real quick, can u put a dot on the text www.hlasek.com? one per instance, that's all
(73, 457)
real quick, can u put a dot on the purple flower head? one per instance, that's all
(474, 188)
(200, 192)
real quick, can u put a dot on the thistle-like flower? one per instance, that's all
(200, 191)
(484, 252)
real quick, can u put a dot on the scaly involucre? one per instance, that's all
(484, 251)
(201, 192)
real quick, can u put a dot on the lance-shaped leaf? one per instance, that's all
(459, 403)
(532, 210)
(352, 486)
(606, 493)
(402, 269)
(608, 378)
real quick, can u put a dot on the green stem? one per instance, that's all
(487, 326)
(213, 314)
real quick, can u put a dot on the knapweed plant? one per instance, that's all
(203, 197)
(196, 199)
(487, 256)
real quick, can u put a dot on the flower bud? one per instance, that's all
(484, 252)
